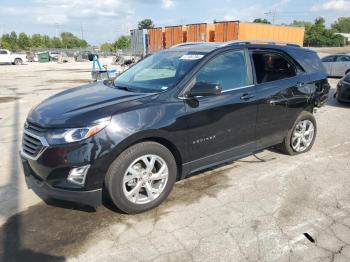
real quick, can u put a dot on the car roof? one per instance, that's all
(207, 47)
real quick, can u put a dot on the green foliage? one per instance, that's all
(146, 24)
(318, 35)
(261, 21)
(301, 24)
(25, 42)
(5, 42)
(342, 25)
(71, 41)
(123, 42)
(107, 47)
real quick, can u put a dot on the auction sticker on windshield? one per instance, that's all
(191, 57)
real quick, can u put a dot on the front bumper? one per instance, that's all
(43, 190)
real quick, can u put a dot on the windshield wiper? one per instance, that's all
(123, 88)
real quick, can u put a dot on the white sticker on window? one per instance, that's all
(191, 57)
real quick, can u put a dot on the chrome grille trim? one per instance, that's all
(33, 145)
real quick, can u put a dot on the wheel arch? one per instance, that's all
(154, 137)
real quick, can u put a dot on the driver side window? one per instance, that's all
(229, 70)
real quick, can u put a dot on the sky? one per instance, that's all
(99, 21)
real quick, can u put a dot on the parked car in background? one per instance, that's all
(53, 55)
(337, 65)
(174, 113)
(342, 93)
(7, 57)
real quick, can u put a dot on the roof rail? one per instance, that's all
(267, 42)
(186, 44)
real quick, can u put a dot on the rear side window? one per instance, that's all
(229, 70)
(271, 66)
(3, 52)
(328, 59)
(343, 58)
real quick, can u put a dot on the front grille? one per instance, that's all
(33, 128)
(33, 142)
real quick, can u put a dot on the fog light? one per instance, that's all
(78, 175)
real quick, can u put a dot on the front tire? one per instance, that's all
(301, 136)
(141, 177)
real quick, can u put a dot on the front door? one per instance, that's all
(5, 57)
(223, 126)
(328, 62)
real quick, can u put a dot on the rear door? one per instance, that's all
(223, 126)
(341, 65)
(276, 76)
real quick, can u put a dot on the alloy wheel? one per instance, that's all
(303, 135)
(145, 179)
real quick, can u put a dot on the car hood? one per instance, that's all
(84, 105)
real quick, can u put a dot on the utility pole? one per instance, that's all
(82, 30)
(273, 14)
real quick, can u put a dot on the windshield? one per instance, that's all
(160, 71)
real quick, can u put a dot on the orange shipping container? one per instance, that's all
(255, 31)
(197, 32)
(226, 31)
(155, 40)
(173, 36)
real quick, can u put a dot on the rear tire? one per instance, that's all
(130, 180)
(18, 61)
(297, 136)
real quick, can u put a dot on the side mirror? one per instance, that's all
(205, 89)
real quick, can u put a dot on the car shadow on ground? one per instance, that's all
(57, 229)
(13, 246)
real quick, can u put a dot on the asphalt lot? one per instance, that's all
(268, 207)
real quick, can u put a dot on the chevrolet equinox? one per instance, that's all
(176, 112)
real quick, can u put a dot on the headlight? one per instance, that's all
(69, 135)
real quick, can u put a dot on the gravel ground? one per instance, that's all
(268, 207)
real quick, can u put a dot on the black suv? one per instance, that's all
(174, 113)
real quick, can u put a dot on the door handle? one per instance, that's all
(299, 84)
(246, 96)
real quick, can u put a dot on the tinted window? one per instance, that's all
(271, 67)
(3, 52)
(328, 59)
(228, 70)
(343, 58)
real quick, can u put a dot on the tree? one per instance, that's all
(5, 41)
(146, 24)
(13, 41)
(342, 25)
(318, 35)
(23, 41)
(56, 42)
(107, 47)
(36, 41)
(261, 21)
(305, 24)
(123, 42)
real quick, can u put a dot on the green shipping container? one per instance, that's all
(43, 57)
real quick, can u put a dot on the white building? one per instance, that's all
(346, 37)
